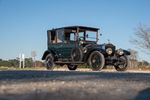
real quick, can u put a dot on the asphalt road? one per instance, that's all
(74, 85)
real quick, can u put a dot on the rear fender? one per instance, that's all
(45, 54)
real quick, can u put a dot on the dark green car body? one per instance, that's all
(75, 45)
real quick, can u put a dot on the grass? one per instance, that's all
(14, 68)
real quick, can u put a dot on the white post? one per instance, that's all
(23, 58)
(20, 60)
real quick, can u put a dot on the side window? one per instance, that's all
(60, 36)
(69, 37)
(72, 36)
(81, 36)
(53, 37)
(91, 36)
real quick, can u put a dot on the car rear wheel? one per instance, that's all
(72, 67)
(122, 63)
(96, 60)
(49, 62)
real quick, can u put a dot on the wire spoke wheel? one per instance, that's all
(96, 61)
(49, 62)
(122, 63)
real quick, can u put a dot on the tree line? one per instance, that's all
(15, 63)
(29, 63)
(142, 41)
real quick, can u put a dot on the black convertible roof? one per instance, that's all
(78, 27)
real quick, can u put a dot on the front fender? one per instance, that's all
(86, 56)
(126, 52)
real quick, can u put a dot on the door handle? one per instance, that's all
(61, 45)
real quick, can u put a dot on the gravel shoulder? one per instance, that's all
(73, 85)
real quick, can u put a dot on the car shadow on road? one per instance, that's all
(143, 95)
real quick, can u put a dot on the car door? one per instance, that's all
(67, 45)
(56, 48)
(66, 49)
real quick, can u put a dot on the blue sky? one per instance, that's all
(23, 23)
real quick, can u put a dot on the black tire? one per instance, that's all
(49, 62)
(96, 61)
(122, 64)
(72, 67)
(76, 55)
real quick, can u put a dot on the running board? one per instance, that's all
(67, 62)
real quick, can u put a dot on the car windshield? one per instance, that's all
(87, 36)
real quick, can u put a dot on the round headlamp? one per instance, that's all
(109, 51)
(120, 52)
(84, 50)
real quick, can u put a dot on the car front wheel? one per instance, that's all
(122, 63)
(96, 60)
(49, 62)
(72, 67)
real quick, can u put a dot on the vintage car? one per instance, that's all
(74, 45)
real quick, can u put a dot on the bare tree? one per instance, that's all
(142, 37)
(133, 58)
